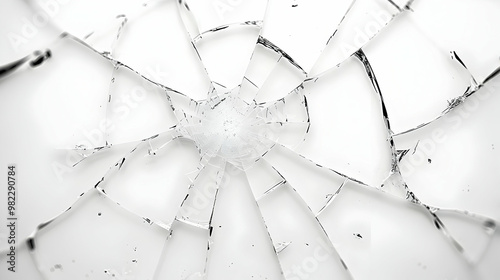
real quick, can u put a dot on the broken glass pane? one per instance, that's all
(231, 139)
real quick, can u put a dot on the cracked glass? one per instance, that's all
(232, 139)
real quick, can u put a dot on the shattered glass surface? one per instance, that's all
(231, 139)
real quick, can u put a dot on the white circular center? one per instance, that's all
(232, 129)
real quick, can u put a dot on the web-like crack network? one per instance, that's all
(273, 129)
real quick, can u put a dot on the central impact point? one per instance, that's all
(232, 129)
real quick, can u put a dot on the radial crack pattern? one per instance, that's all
(190, 139)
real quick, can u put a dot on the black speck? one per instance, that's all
(99, 214)
(31, 243)
(358, 235)
(429, 160)
(294, 5)
(436, 223)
